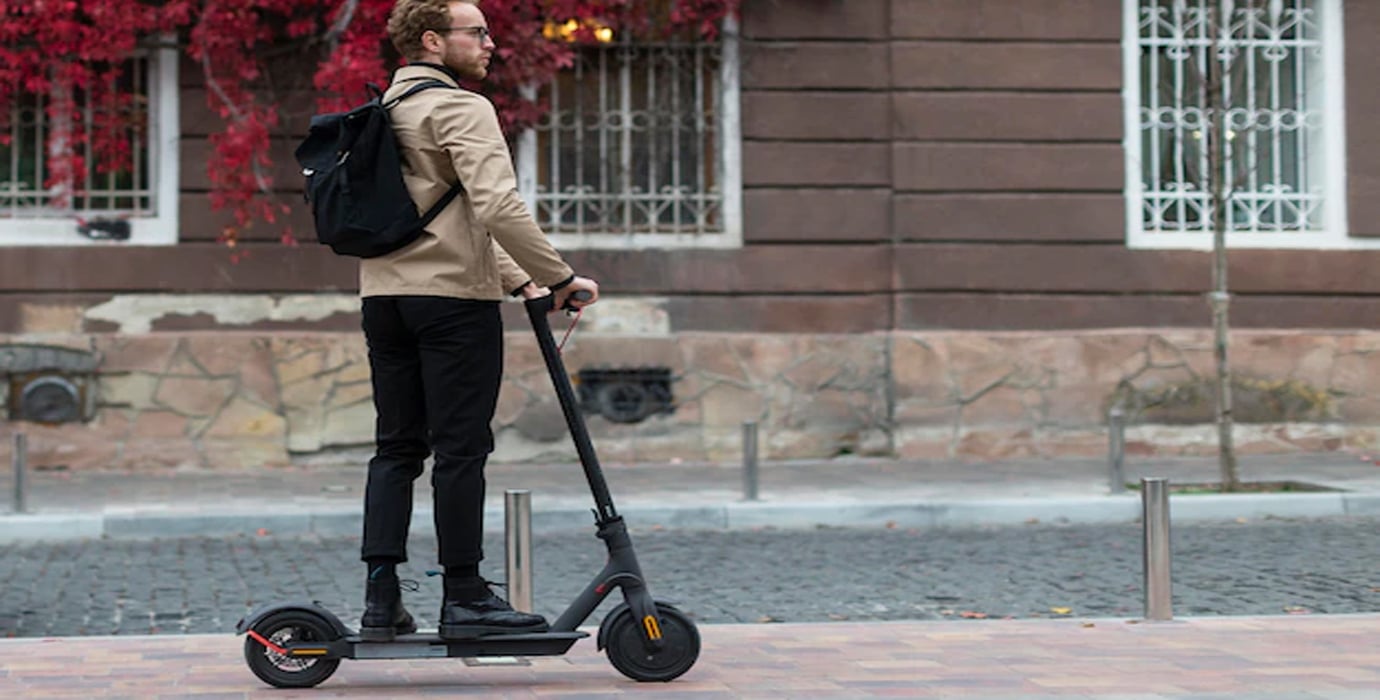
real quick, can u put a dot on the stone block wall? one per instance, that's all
(995, 395)
(238, 400)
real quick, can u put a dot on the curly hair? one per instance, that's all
(410, 18)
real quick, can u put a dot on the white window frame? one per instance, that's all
(164, 130)
(730, 176)
(1333, 234)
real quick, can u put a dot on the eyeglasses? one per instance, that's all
(480, 33)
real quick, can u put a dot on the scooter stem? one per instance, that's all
(537, 310)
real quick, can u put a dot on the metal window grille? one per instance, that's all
(1270, 56)
(629, 145)
(25, 160)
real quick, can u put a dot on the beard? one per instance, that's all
(473, 69)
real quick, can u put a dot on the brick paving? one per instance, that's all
(1269, 658)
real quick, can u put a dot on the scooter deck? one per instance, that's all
(429, 645)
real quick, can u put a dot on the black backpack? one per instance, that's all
(359, 203)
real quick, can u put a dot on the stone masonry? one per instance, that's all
(234, 400)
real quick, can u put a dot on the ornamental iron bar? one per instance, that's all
(25, 160)
(629, 145)
(1269, 53)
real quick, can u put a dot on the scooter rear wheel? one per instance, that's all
(282, 671)
(628, 653)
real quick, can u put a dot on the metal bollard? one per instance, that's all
(1159, 595)
(21, 467)
(1116, 450)
(749, 460)
(517, 516)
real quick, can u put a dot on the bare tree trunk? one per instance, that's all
(1219, 176)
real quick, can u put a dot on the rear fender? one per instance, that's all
(312, 607)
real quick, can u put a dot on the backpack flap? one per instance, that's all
(318, 150)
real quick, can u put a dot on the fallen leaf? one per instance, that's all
(1088, 624)
(1133, 622)
(1061, 611)
(1032, 521)
(891, 524)
(969, 614)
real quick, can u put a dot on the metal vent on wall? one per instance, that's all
(47, 384)
(47, 398)
(626, 395)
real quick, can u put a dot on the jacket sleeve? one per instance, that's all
(510, 274)
(466, 128)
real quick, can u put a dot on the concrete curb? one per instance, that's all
(144, 523)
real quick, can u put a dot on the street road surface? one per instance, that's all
(205, 585)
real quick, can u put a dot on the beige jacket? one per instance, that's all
(445, 135)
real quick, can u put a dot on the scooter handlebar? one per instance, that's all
(581, 295)
(546, 304)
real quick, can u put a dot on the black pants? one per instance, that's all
(436, 363)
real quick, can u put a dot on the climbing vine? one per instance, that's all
(246, 52)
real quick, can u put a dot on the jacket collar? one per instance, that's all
(419, 70)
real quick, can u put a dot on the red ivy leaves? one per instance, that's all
(51, 47)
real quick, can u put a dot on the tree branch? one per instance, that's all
(235, 113)
(343, 17)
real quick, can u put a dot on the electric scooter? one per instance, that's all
(300, 644)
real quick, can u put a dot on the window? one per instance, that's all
(138, 205)
(1281, 67)
(640, 147)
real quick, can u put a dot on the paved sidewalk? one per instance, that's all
(324, 498)
(1263, 658)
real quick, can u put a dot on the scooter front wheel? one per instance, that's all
(629, 654)
(279, 670)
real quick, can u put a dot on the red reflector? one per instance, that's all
(260, 639)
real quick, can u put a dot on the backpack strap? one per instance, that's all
(455, 189)
(440, 205)
(414, 90)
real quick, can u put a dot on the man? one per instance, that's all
(431, 319)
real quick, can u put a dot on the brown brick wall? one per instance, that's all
(956, 163)
(191, 267)
(1362, 127)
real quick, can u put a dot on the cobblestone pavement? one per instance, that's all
(204, 585)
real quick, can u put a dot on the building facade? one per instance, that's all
(920, 228)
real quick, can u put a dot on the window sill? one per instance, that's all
(645, 241)
(1256, 241)
(63, 232)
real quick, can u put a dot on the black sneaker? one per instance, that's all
(384, 615)
(471, 610)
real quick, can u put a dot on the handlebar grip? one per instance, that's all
(581, 295)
